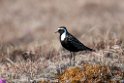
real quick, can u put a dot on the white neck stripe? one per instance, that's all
(63, 35)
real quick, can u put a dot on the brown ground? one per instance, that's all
(30, 50)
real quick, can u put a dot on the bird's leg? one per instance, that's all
(73, 59)
(70, 58)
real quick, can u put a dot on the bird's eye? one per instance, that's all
(59, 30)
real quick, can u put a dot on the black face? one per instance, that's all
(61, 29)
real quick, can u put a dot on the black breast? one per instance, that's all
(69, 46)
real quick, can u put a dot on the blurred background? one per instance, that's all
(32, 20)
(29, 48)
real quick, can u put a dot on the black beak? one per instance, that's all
(56, 32)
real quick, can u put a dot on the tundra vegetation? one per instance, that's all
(30, 51)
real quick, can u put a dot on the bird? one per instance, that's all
(71, 43)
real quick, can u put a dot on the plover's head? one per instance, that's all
(62, 30)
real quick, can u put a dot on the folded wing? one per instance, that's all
(77, 44)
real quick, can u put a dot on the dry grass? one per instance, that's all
(31, 52)
(90, 74)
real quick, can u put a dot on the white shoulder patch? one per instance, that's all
(63, 36)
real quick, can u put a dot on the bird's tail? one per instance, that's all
(89, 49)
